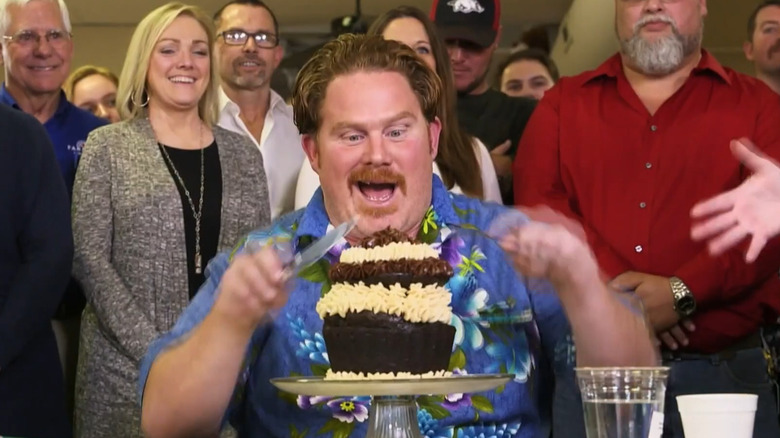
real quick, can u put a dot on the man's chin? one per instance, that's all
(377, 212)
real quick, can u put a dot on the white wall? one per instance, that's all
(590, 25)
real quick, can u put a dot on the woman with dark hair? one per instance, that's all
(459, 153)
(527, 73)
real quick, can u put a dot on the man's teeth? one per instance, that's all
(249, 64)
(182, 80)
(43, 68)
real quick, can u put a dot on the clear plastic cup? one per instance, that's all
(623, 402)
(718, 415)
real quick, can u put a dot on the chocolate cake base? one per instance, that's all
(403, 271)
(370, 342)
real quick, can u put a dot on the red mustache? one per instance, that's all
(377, 176)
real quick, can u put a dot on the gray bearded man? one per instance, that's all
(627, 150)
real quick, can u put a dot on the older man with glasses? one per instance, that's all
(37, 48)
(248, 52)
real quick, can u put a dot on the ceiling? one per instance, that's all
(306, 15)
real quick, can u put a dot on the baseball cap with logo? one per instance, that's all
(468, 20)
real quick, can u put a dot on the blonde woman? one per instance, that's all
(93, 89)
(156, 197)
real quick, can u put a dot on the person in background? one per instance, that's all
(36, 252)
(762, 46)
(367, 108)
(631, 171)
(471, 32)
(37, 49)
(459, 153)
(750, 211)
(156, 197)
(93, 89)
(248, 51)
(526, 73)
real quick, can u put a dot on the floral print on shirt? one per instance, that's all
(479, 325)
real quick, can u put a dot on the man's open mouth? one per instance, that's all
(376, 191)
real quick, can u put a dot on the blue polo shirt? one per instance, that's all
(68, 129)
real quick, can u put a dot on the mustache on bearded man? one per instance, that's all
(377, 176)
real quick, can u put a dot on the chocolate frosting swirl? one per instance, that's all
(384, 237)
(437, 269)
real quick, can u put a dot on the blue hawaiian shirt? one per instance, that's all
(504, 324)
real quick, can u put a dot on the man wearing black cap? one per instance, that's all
(471, 30)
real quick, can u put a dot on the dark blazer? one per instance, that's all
(36, 253)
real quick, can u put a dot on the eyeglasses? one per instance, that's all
(239, 37)
(27, 38)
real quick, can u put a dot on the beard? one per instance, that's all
(246, 81)
(663, 55)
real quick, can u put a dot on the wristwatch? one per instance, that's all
(684, 303)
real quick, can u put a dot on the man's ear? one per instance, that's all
(278, 55)
(309, 143)
(747, 47)
(434, 133)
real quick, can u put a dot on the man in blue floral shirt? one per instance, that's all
(367, 110)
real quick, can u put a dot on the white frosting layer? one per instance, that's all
(393, 251)
(330, 375)
(417, 304)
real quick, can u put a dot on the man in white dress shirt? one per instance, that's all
(248, 52)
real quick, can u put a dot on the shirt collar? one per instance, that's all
(613, 67)
(7, 99)
(315, 222)
(225, 102)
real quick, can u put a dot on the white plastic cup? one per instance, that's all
(718, 415)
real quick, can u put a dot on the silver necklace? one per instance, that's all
(195, 213)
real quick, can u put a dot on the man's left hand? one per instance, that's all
(656, 295)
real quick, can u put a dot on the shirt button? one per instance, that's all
(642, 205)
(648, 165)
(638, 248)
(653, 128)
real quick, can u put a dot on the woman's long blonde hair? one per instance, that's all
(132, 94)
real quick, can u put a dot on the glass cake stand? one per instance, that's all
(393, 412)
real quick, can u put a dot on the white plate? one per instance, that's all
(313, 386)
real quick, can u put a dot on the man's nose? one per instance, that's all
(377, 151)
(250, 45)
(654, 6)
(43, 47)
(456, 53)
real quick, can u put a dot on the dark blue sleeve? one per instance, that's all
(44, 241)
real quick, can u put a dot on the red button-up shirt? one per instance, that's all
(593, 151)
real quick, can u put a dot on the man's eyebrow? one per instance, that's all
(345, 125)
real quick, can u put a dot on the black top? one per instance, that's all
(493, 117)
(187, 163)
(36, 254)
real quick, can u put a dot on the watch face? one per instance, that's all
(686, 305)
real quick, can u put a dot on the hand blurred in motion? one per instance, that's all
(254, 285)
(752, 209)
(552, 251)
